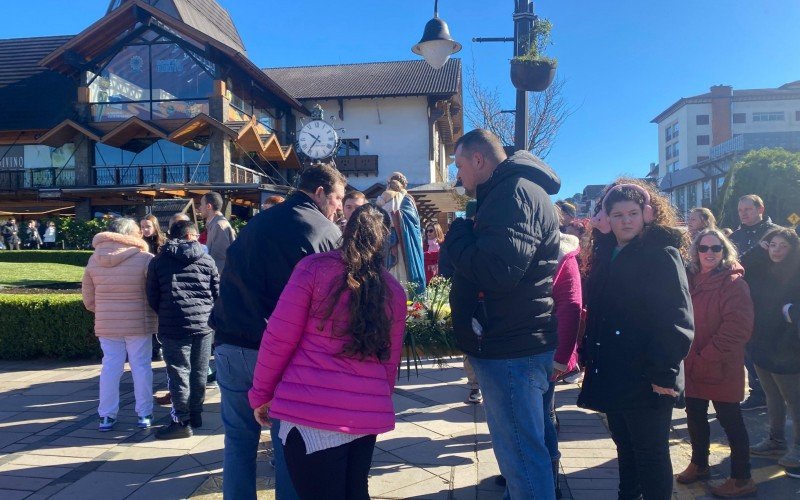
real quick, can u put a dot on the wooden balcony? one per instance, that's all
(357, 165)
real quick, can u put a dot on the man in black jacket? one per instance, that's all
(182, 285)
(754, 226)
(258, 266)
(502, 303)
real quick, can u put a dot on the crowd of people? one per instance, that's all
(304, 313)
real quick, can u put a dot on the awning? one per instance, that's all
(201, 124)
(134, 134)
(65, 132)
(433, 199)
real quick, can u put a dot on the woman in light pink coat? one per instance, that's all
(328, 361)
(114, 290)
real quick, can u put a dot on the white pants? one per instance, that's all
(139, 349)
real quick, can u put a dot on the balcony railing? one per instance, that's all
(136, 175)
(34, 178)
(244, 175)
(736, 143)
(357, 165)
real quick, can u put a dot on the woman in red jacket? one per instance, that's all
(328, 361)
(723, 316)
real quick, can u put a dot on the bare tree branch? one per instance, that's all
(547, 111)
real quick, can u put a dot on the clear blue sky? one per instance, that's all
(624, 61)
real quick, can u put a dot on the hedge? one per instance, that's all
(46, 325)
(71, 257)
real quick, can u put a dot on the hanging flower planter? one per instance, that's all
(532, 75)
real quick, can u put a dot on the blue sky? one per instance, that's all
(624, 61)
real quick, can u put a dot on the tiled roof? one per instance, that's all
(379, 79)
(19, 57)
(209, 17)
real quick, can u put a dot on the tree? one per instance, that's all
(774, 175)
(547, 111)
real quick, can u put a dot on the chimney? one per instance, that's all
(721, 98)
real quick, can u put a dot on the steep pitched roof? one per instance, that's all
(378, 79)
(207, 16)
(19, 57)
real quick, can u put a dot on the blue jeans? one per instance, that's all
(235, 368)
(284, 488)
(550, 432)
(513, 394)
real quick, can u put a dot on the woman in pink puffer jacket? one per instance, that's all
(328, 361)
(113, 288)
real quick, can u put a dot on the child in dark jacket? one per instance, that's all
(182, 285)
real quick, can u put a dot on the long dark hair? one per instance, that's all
(362, 253)
(787, 269)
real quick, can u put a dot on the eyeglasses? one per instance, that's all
(706, 248)
(429, 230)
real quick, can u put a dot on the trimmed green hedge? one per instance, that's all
(46, 325)
(71, 257)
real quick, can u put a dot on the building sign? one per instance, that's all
(169, 66)
(793, 219)
(12, 157)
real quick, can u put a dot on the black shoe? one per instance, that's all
(500, 480)
(196, 420)
(175, 430)
(158, 355)
(753, 403)
(792, 472)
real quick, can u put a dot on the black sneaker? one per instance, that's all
(753, 403)
(175, 430)
(196, 420)
(792, 472)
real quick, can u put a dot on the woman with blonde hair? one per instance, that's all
(723, 317)
(638, 330)
(700, 218)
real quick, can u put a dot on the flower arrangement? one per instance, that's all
(429, 330)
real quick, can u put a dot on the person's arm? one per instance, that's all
(672, 320)
(282, 336)
(496, 257)
(392, 364)
(153, 287)
(568, 304)
(87, 290)
(737, 322)
(214, 279)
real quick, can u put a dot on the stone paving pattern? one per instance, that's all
(441, 449)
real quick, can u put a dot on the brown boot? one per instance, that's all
(164, 400)
(735, 488)
(692, 474)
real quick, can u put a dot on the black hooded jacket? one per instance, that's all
(639, 324)
(259, 263)
(504, 263)
(747, 237)
(182, 285)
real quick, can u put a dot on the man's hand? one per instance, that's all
(664, 391)
(262, 414)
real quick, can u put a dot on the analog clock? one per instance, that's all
(318, 139)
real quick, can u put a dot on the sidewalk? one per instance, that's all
(50, 446)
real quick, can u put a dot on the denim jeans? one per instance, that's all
(235, 368)
(550, 432)
(284, 487)
(187, 364)
(513, 393)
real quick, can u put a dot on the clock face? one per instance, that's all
(317, 139)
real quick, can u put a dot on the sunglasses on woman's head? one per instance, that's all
(706, 248)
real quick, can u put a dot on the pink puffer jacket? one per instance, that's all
(114, 286)
(300, 366)
(568, 303)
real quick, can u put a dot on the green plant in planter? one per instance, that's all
(533, 70)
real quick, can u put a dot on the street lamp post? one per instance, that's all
(437, 45)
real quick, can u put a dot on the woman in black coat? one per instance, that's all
(639, 328)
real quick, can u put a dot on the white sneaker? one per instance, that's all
(475, 397)
(106, 424)
(574, 378)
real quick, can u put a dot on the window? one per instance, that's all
(669, 151)
(706, 191)
(739, 118)
(675, 130)
(676, 150)
(691, 195)
(679, 198)
(770, 116)
(672, 167)
(701, 119)
(703, 140)
(671, 132)
(720, 183)
(349, 147)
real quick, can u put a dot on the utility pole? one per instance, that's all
(523, 22)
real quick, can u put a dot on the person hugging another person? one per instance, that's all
(113, 288)
(723, 317)
(182, 285)
(638, 331)
(338, 324)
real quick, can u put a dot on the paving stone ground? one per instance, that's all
(441, 448)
